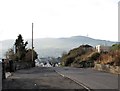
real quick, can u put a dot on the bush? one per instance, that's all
(68, 61)
(95, 56)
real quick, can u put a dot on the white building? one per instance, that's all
(100, 48)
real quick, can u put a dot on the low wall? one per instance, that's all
(23, 65)
(107, 68)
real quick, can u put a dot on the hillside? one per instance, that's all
(82, 56)
(55, 46)
(87, 56)
(112, 57)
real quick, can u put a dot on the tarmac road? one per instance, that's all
(91, 78)
(39, 78)
(48, 78)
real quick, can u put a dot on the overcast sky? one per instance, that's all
(59, 18)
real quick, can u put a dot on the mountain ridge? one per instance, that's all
(55, 46)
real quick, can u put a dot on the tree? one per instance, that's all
(28, 57)
(20, 47)
(115, 47)
(22, 56)
(9, 54)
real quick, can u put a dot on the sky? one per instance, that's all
(59, 18)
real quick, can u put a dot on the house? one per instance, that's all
(102, 48)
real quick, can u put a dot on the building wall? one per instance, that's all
(100, 48)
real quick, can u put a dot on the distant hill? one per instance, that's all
(55, 46)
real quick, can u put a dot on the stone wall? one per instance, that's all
(23, 65)
(107, 68)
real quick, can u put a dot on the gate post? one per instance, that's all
(3, 69)
(11, 66)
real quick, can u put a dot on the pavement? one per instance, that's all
(40, 78)
(90, 78)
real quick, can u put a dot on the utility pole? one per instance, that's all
(32, 43)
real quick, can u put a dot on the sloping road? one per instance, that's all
(39, 78)
(47, 78)
(90, 78)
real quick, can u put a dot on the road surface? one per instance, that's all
(72, 78)
(91, 78)
(39, 78)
